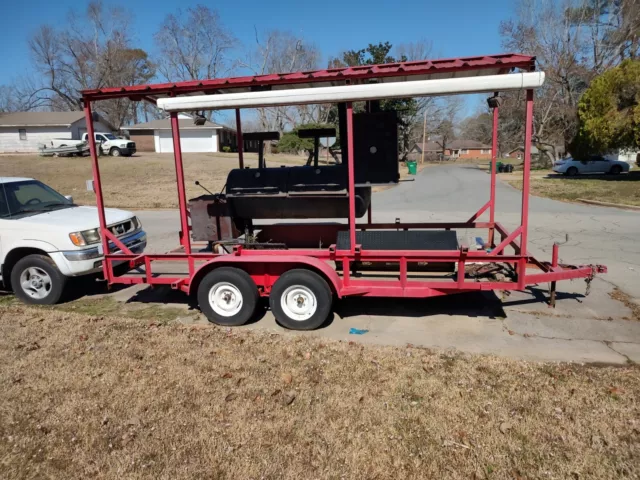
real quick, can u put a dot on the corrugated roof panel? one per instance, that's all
(405, 70)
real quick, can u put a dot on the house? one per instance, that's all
(155, 136)
(25, 132)
(465, 149)
(629, 156)
(518, 152)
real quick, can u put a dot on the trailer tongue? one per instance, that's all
(303, 266)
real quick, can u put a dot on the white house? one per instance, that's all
(23, 132)
(629, 156)
(155, 136)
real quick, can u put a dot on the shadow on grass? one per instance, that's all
(633, 176)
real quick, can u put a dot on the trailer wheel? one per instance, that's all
(228, 296)
(301, 300)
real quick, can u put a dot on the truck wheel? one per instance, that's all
(301, 300)
(228, 296)
(35, 279)
(115, 152)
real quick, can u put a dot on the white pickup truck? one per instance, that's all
(45, 238)
(109, 144)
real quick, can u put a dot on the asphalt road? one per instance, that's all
(596, 328)
(598, 235)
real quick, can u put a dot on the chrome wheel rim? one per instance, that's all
(35, 282)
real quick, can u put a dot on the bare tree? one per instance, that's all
(478, 127)
(279, 51)
(573, 41)
(92, 51)
(419, 50)
(194, 44)
(445, 121)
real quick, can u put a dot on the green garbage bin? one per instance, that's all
(413, 167)
(499, 167)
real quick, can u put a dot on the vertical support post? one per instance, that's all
(552, 287)
(526, 180)
(494, 158)
(97, 186)
(352, 187)
(526, 173)
(185, 239)
(346, 272)
(239, 140)
(316, 151)
(370, 214)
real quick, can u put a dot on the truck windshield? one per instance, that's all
(110, 136)
(29, 197)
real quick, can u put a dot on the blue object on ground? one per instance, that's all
(355, 331)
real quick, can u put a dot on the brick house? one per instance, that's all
(464, 149)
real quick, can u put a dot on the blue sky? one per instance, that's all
(456, 28)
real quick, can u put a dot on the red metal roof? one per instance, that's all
(401, 71)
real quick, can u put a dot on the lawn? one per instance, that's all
(99, 396)
(146, 180)
(621, 189)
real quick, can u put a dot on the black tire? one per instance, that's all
(310, 283)
(616, 170)
(42, 263)
(232, 279)
(572, 171)
(115, 152)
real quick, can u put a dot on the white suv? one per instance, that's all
(46, 238)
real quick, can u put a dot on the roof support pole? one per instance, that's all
(494, 158)
(97, 187)
(526, 178)
(352, 180)
(526, 174)
(239, 139)
(185, 239)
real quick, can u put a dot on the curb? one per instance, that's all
(609, 204)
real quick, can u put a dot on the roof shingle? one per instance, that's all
(33, 119)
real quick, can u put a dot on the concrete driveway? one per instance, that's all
(584, 329)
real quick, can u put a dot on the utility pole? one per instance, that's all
(424, 134)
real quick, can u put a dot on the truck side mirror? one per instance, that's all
(69, 197)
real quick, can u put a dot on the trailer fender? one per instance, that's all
(290, 261)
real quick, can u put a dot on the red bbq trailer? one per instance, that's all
(302, 267)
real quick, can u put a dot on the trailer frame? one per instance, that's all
(266, 266)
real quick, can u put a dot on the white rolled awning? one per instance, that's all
(354, 93)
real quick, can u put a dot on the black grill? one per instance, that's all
(122, 228)
(400, 240)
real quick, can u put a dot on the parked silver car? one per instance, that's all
(595, 164)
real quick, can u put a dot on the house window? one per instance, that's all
(485, 151)
(23, 133)
(464, 151)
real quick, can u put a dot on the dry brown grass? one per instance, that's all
(104, 397)
(623, 189)
(146, 180)
(627, 301)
